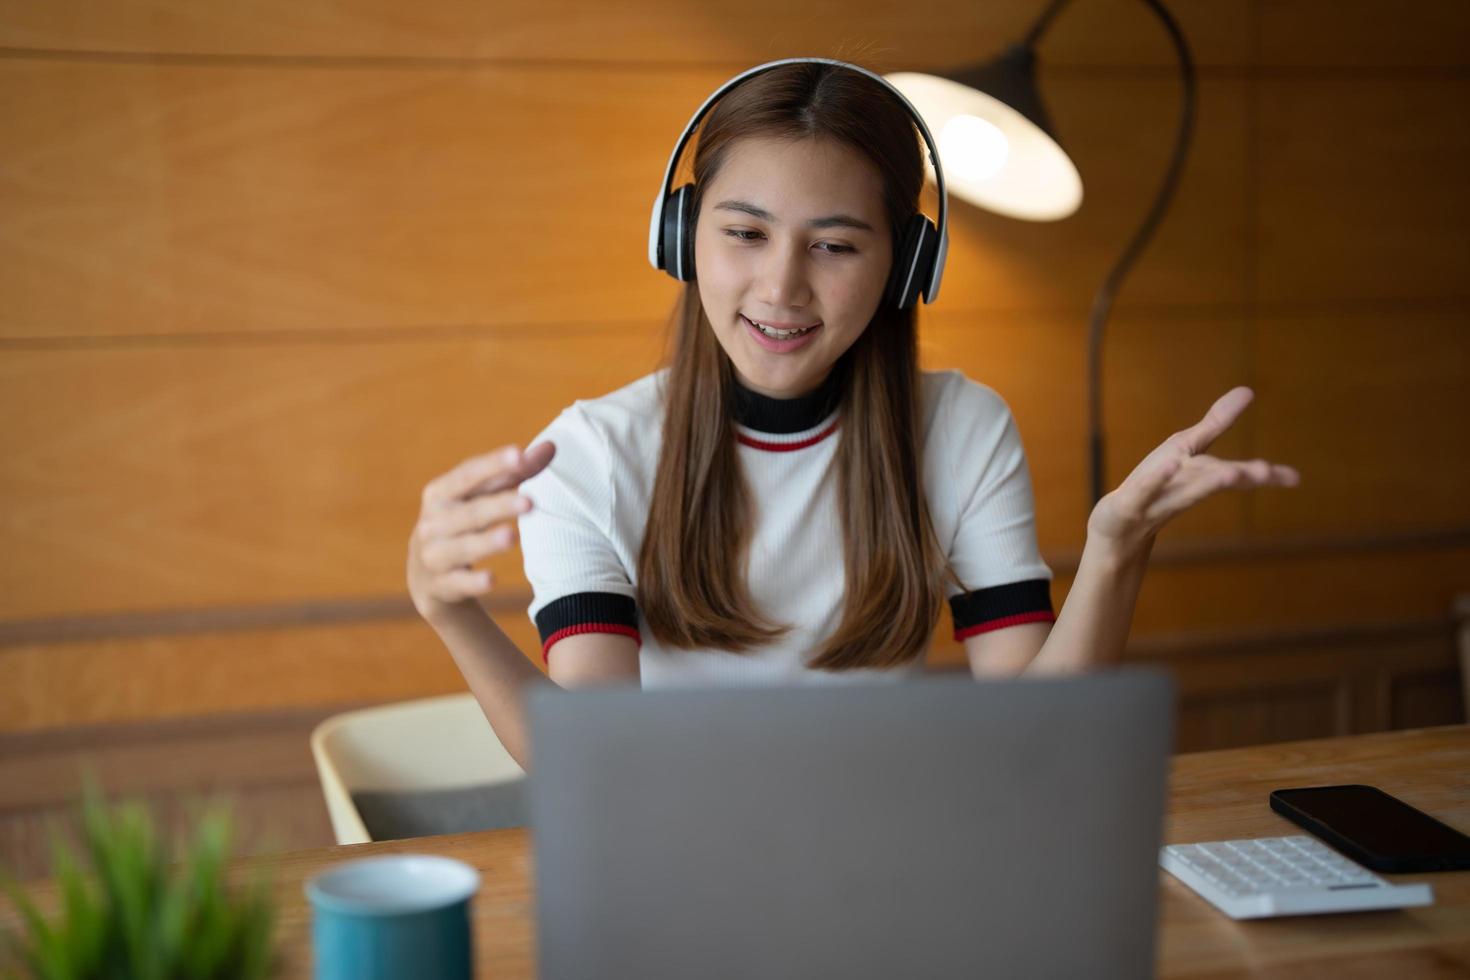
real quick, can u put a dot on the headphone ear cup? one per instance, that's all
(928, 255)
(913, 262)
(677, 243)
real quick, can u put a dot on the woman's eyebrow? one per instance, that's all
(831, 221)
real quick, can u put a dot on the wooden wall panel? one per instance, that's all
(50, 686)
(1281, 715)
(177, 475)
(1362, 189)
(1416, 699)
(943, 33)
(1292, 687)
(1372, 408)
(186, 199)
(145, 199)
(1360, 34)
(259, 764)
(1331, 587)
(53, 685)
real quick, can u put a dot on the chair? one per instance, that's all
(414, 761)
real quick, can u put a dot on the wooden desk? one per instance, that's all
(1213, 796)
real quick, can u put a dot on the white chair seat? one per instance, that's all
(439, 743)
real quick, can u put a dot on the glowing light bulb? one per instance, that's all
(972, 148)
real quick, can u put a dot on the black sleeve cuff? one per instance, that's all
(587, 612)
(1000, 606)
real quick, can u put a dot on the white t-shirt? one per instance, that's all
(581, 540)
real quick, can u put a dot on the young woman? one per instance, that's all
(790, 499)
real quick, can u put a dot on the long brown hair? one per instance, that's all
(692, 568)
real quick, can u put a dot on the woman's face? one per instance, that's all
(791, 235)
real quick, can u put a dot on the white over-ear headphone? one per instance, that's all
(918, 261)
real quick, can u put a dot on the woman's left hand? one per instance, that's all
(1177, 475)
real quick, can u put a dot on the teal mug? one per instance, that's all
(393, 917)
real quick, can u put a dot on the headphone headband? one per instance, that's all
(656, 222)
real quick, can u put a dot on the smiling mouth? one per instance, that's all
(780, 334)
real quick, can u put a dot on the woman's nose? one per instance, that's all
(784, 283)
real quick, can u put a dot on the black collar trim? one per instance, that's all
(785, 416)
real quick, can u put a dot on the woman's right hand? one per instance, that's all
(468, 514)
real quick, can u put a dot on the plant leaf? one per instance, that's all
(131, 916)
(82, 921)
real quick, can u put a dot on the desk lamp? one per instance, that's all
(1000, 152)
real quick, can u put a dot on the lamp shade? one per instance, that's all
(994, 137)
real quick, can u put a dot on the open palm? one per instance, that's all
(1179, 474)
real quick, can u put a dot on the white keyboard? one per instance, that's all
(1271, 876)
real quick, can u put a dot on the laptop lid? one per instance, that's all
(938, 827)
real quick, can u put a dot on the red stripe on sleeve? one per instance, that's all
(561, 634)
(1004, 621)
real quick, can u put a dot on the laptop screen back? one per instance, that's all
(934, 828)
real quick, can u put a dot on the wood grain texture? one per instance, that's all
(1371, 407)
(258, 765)
(1362, 196)
(51, 686)
(1116, 33)
(201, 200)
(1359, 34)
(1310, 590)
(947, 32)
(1311, 688)
(146, 200)
(219, 474)
(1212, 796)
(267, 819)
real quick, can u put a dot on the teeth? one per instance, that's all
(780, 334)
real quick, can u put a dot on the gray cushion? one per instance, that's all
(393, 815)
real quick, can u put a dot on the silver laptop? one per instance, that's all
(939, 827)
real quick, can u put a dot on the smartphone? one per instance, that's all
(1375, 829)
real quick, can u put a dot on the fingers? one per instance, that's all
(472, 515)
(525, 465)
(1245, 474)
(462, 533)
(443, 554)
(504, 468)
(458, 482)
(1204, 475)
(439, 567)
(467, 515)
(1221, 416)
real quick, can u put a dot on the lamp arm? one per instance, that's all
(1103, 302)
(1042, 23)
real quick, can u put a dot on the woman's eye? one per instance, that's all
(831, 248)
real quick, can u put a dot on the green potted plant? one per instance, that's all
(126, 909)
